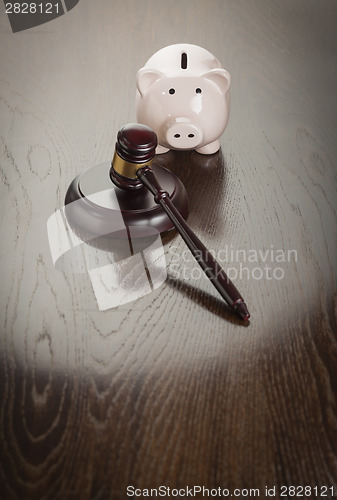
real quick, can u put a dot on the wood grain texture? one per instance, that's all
(172, 389)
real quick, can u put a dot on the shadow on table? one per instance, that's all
(205, 179)
(205, 300)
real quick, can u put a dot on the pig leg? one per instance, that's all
(160, 150)
(209, 149)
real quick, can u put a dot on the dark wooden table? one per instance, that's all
(171, 389)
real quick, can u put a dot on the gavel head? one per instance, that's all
(100, 202)
(135, 148)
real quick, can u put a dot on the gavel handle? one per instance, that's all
(206, 261)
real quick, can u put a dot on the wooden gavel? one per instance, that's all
(131, 170)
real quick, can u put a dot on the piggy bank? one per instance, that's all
(183, 95)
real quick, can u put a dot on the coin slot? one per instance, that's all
(183, 60)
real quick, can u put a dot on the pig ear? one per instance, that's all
(145, 78)
(220, 77)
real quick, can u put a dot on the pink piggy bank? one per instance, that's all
(183, 95)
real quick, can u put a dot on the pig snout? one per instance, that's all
(183, 135)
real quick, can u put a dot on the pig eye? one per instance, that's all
(198, 91)
(171, 91)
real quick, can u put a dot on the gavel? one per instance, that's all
(131, 169)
